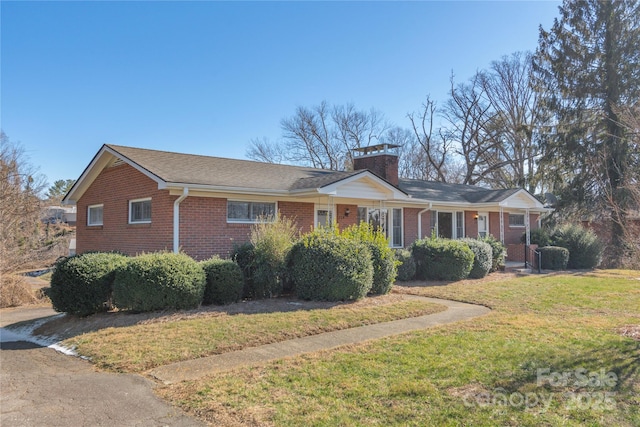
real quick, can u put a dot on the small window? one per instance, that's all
(94, 215)
(324, 218)
(249, 211)
(140, 211)
(516, 220)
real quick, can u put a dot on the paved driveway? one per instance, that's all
(41, 387)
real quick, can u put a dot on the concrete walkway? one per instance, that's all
(194, 369)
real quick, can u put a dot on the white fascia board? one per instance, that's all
(394, 191)
(178, 186)
(161, 183)
(103, 158)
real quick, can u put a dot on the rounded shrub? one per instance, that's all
(384, 262)
(224, 281)
(407, 266)
(482, 258)
(553, 257)
(158, 281)
(585, 249)
(82, 284)
(498, 252)
(442, 259)
(329, 267)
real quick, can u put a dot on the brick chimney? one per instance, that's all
(381, 159)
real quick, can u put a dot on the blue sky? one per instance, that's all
(206, 77)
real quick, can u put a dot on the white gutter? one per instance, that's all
(420, 219)
(176, 219)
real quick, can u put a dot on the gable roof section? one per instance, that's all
(170, 169)
(441, 192)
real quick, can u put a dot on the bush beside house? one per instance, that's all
(442, 259)
(482, 258)
(553, 257)
(159, 281)
(327, 266)
(406, 266)
(224, 281)
(82, 284)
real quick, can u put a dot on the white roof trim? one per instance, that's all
(396, 194)
(100, 161)
(534, 205)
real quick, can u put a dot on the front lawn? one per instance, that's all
(551, 353)
(145, 346)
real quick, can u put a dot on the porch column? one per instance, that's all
(527, 227)
(501, 225)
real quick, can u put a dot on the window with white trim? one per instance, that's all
(94, 215)
(140, 211)
(516, 220)
(396, 227)
(459, 225)
(240, 211)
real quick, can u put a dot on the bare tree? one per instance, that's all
(436, 150)
(322, 136)
(517, 115)
(20, 206)
(265, 150)
(471, 124)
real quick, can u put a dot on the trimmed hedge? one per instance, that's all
(224, 281)
(384, 262)
(407, 266)
(554, 257)
(498, 251)
(82, 284)
(442, 259)
(482, 258)
(325, 266)
(158, 281)
(585, 249)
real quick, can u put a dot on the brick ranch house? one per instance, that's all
(138, 200)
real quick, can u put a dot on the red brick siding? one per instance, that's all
(113, 188)
(471, 224)
(383, 165)
(204, 230)
(343, 220)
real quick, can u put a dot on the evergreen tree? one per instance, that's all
(588, 68)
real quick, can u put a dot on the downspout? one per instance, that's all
(420, 219)
(176, 219)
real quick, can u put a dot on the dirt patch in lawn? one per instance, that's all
(70, 326)
(630, 331)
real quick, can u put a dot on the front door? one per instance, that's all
(483, 224)
(445, 225)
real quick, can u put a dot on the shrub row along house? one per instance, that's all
(137, 200)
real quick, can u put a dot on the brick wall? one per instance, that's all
(343, 220)
(204, 230)
(471, 224)
(113, 188)
(383, 165)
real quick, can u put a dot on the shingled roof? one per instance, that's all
(193, 169)
(445, 192)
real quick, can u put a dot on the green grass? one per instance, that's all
(142, 347)
(459, 374)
